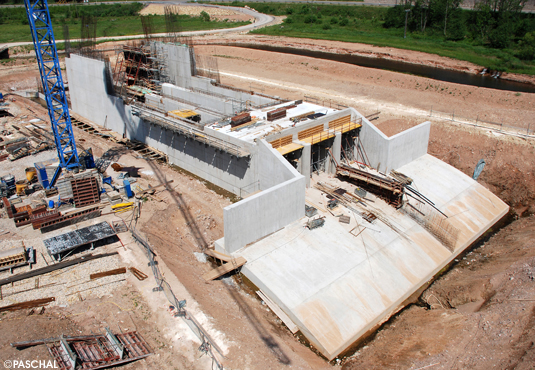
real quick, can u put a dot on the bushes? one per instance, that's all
(527, 47)
(205, 16)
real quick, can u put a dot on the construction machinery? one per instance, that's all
(52, 82)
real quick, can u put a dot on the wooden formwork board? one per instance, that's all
(225, 268)
(310, 132)
(339, 121)
(285, 140)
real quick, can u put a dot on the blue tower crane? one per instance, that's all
(49, 68)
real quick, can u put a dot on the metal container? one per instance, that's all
(21, 185)
(30, 173)
(9, 181)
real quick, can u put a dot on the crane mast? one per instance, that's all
(52, 81)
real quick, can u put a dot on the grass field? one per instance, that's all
(110, 22)
(109, 26)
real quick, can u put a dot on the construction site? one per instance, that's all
(160, 212)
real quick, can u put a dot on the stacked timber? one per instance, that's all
(240, 119)
(276, 114)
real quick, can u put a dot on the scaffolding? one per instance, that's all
(140, 68)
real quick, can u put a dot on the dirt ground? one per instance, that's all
(194, 11)
(480, 314)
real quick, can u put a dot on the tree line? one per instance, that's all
(498, 24)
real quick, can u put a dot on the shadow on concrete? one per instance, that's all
(263, 334)
(221, 161)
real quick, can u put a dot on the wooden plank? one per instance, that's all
(218, 255)
(339, 121)
(223, 269)
(309, 132)
(121, 270)
(57, 266)
(37, 342)
(277, 311)
(285, 140)
(28, 304)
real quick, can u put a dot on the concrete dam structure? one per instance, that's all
(339, 224)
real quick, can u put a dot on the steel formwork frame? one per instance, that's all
(52, 82)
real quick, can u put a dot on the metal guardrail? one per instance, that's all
(529, 130)
(162, 285)
(325, 103)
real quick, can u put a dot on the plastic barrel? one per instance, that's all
(51, 204)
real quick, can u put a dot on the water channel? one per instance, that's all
(403, 67)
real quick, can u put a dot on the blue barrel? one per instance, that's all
(51, 204)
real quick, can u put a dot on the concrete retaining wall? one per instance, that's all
(225, 107)
(270, 210)
(179, 69)
(389, 153)
(90, 100)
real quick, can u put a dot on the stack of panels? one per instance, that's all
(9, 208)
(64, 188)
(85, 192)
(12, 257)
(276, 114)
(240, 119)
(64, 184)
(24, 216)
(54, 220)
(45, 217)
(73, 239)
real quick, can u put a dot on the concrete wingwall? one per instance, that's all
(388, 153)
(281, 203)
(179, 58)
(89, 97)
